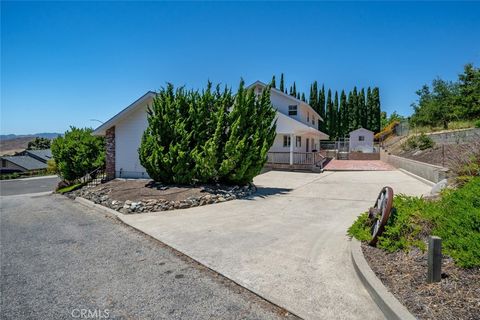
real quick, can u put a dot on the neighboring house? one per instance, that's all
(296, 145)
(361, 140)
(21, 164)
(40, 155)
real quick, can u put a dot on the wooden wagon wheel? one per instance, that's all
(380, 213)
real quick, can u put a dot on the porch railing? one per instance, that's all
(305, 158)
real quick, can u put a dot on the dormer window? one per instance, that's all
(292, 110)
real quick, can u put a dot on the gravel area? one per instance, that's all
(137, 196)
(58, 258)
(457, 296)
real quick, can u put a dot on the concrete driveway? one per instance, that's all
(288, 244)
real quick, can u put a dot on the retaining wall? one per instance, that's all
(455, 137)
(425, 170)
(363, 156)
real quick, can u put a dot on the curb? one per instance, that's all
(390, 306)
(430, 183)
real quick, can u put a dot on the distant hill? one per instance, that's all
(48, 135)
(13, 143)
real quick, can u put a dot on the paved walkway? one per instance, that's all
(358, 165)
(289, 245)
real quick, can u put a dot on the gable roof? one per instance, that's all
(41, 155)
(283, 94)
(100, 131)
(26, 162)
(361, 129)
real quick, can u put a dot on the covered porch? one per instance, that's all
(296, 146)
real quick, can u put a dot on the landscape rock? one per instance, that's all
(209, 195)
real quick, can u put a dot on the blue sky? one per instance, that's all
(66, 63)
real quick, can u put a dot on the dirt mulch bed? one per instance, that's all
(137, 190)
(137, 196)
(457, 296)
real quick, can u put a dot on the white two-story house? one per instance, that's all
(296, 145)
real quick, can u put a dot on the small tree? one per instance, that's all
(77, 153)
(39, 144)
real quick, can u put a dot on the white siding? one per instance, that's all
(128, 135)
(281, 103)
(364, 146)
(278, 144)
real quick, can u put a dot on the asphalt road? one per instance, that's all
(29, 185)
(59, 259)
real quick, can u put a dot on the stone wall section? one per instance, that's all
(110, 153)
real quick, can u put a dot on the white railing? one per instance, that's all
(307, 158)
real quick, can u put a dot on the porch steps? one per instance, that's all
(342, 155)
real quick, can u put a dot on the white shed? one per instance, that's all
(361, 140)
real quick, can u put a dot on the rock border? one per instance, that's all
(385, 300)
(158, 205)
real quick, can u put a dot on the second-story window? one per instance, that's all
(313, 120)
(292, 110)
(308, 116)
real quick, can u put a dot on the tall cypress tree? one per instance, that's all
(355, 112)
(343, 115)
(336, 116)
(303, 97)
(370, 111)
(362, 109)
(376, 108)
(313, 98)
(273, 84)
(321, 108)
(330, 118)
(294, 91)
(282, 83)
(351, 111)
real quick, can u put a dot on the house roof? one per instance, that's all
(292, 98)
(288, 125)
(42, 155)
(26, 162)
(100, 131)
(362, 129)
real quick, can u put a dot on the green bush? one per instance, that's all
(39, 144)
(421, 141)
(209, 136)
(77, 153)
(424, 142)
(477, 123)
(455, 218)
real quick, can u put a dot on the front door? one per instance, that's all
(307, 145)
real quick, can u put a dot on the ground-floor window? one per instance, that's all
(286, 141)
(298, 142)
